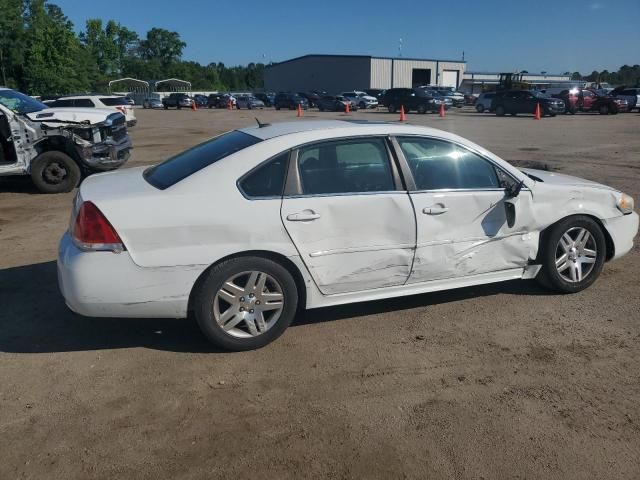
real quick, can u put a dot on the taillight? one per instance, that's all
(92, 230)
(122, 109)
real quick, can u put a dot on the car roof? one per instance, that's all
(354, 127)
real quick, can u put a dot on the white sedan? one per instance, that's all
(246, 228)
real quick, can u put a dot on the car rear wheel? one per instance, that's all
(55, 172)
(500, 111)
(246, 303)
(573, 254)
(480, 108)
(422, 109)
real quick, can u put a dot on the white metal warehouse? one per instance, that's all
(336, 73)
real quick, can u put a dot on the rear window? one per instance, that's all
(112, 102)
(187, 163)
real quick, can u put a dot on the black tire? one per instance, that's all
(392, 108)
(166, 107)
(480, 108)
(549, 276)
(500, 111)
(204, 301)
(55, 172)
(278, 108)
(604, 109)
(422, 109)
(362, 105)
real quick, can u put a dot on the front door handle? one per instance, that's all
(304, 216)
(435, 210)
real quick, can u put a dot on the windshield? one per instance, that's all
(19, 102)
(195, 159)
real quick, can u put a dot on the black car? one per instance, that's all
(290, 101)
(377, 93)
(416, 99)
(201, 100)
(337, 103)
(525, 101)
(267, 98)
(311, 97)
(213, 100)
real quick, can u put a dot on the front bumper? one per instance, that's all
(107, 155)
(107, 284)
(554, 108)
(622, 231)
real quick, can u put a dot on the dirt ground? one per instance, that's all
(501, 381)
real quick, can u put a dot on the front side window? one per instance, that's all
(187, 163)
(268, 179)
(345, 166)
(441, 165)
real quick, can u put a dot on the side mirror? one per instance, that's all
(513, 191)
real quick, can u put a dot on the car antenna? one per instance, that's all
(261, 125)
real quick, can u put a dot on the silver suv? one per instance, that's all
(484, 101)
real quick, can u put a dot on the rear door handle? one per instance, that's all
(304, 216)
(435, 210)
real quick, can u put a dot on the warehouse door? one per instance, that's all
(420, 76)
(450, 78)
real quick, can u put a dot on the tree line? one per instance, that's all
(626, 75)
(41, 54)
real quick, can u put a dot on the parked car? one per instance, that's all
(374, 211)
(267, 98)
(335, 103)
(152, 103)
(525, 101)
(485, 102)
(177, 100)
(377, 93)
(417, 99)
(361, 99)
(448, 101)
(290, 101)
(109, 102)
(586, 100)
(470, 99)
(457, 98)
(311, 98)
(249, 103)
(130, 101)
(58, 146)
(202, 101)
(630, 95)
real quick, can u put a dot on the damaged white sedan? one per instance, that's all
(246, 228)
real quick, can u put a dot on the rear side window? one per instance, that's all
(348, 166)
(83, 103)
(195, 159)
(441, 165)
(112, 102)
(61, 104)
(268, 179)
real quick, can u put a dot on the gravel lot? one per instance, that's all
(501, 381)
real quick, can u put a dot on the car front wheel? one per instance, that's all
(55, 172)
(573, 254)
(480, 108)
(246, 303)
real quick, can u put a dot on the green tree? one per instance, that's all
(162, 45)
(12, 40)
(109, 45)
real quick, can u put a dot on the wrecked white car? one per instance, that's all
(247, 227)
(58, 147)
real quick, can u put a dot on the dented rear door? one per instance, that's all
(351, 223)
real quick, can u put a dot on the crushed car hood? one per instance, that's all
(553, 178)
(90, 116)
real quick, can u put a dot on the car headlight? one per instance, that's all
(625, 203)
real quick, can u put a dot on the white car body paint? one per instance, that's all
(70, 115)
(360, 248)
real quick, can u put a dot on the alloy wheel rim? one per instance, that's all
(576, 254)
(248, 304)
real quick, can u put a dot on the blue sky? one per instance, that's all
(553, 36)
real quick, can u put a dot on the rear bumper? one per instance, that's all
(622, 231)
(106, 284)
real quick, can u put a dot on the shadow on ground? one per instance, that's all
(34, 318)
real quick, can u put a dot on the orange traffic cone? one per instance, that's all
(299, 113)
(442, 114)
(194, 107)
(538, 114)
(346, 108)
(230, 105)
(403, 117)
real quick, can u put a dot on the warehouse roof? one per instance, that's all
(363, 56)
